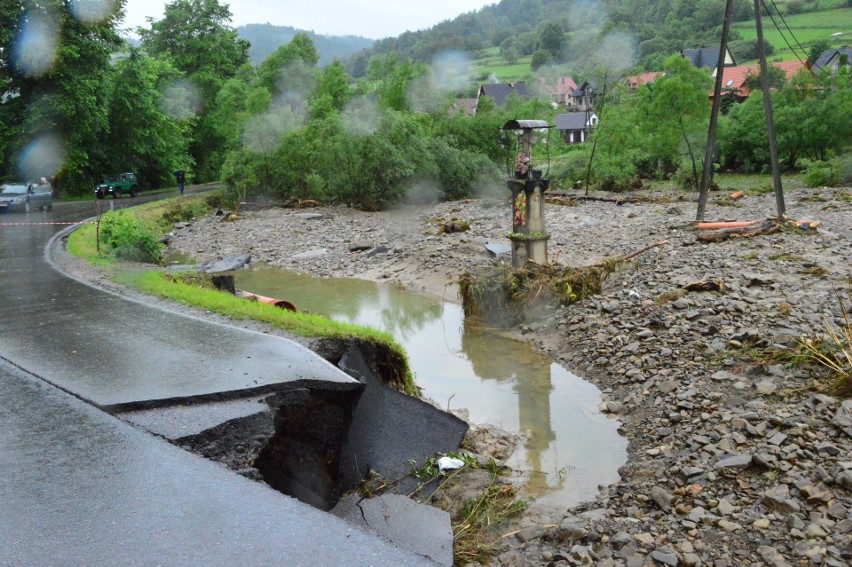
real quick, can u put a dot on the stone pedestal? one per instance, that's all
(529, 236)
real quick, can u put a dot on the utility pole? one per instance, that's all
(707, 174)
(767, 108)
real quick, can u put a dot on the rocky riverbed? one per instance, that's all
(735, 457)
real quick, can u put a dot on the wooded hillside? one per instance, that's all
(648, 31)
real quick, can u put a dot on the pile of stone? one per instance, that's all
(735, 458)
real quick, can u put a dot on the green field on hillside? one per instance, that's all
(833, 25)
(491, 63)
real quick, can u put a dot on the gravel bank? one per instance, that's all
(731, 462)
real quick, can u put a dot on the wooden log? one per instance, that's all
(755, 229)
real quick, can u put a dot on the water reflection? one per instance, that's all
(568, 449)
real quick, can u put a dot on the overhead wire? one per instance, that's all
(804, 57)
(777, 27)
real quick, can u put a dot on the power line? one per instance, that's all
(771, 17)
(781, 33)
(783, 19)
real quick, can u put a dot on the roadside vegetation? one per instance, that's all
(826, 353)
(385, 126)
(133, 234)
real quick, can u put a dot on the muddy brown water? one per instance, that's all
(569, 447)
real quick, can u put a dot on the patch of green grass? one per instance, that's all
(82, 243)
(302, 324)
(826, 356)
(785, 257)
(494, 64)
(834, 351)
(153, 216)
(755, 183)
(474, 530)
(807, 27)
(193, 292)
(749, 256)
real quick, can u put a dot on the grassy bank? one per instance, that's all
(191, 289)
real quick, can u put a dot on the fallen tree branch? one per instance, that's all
(634, 254)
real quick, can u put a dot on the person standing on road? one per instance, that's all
(180, 176)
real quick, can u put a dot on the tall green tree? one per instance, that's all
(333, 91)
(53, 118)
(273, 71)
(196, 37)
(390, 76)
(551, 38)
(142, 136)
(807, 115)
(674, 112)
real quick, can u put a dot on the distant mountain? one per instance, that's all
(266, 38)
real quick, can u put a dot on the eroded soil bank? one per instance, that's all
(735, 459)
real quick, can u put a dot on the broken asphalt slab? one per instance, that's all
(97, 491)
(420, 528)
(390, 430)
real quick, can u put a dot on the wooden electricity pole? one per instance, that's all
(707, 174)
(767, 108)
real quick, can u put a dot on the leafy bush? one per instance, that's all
(843, 169)
(128, 238)
(219, 200)
(573, 168)
(459, 171)
(373, 172)
(817, 173)
(182, 211)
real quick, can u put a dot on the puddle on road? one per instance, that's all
(569, 448)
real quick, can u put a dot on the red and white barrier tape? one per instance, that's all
(39, 223)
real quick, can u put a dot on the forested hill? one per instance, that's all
(266, 38)
(650, 30)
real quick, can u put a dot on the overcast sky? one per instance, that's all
(374, 19)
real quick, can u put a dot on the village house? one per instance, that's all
(565, 87)
(708, 57)
(465, 106)
(583, 98)
(575, 126)
(831, 60)
(734, 82)
(633, 82)
(501, 92)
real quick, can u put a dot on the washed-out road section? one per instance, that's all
(82, 487)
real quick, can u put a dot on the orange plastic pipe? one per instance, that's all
(269, 300)
(736, 195)
(715, 225)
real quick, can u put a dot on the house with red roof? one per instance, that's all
(565, 86)
(633, 82)
(734, 78)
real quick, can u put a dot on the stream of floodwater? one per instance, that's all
(569, 447)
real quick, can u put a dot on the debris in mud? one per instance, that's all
(708, 285)
(453, 226)
(769, 226)
(505, 296)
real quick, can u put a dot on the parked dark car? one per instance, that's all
(21, 196)
(118, 186)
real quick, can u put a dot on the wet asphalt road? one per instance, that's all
(80, 487)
